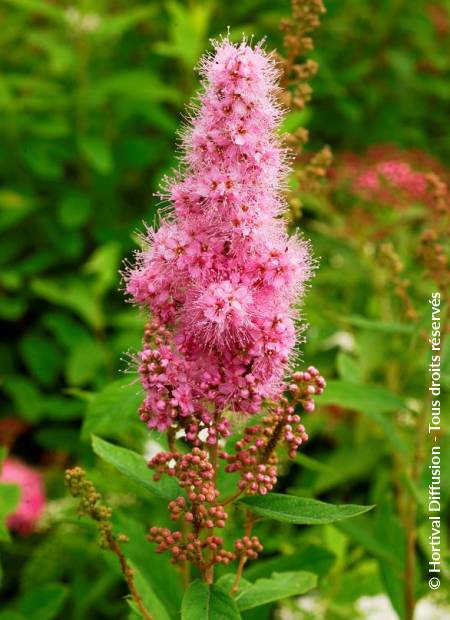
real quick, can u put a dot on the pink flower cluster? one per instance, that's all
(389, 175)
(220, 275)
(32, 495)
(394, 174)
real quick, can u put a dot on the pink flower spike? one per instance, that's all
(221, 276)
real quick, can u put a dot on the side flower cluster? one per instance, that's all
(254, 455)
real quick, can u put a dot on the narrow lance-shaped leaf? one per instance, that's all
(310, 558)
(268, 590)
(300, 510)
(361, 397)
(117, 401)
(148, 597)
(204, 602)
(134, 467)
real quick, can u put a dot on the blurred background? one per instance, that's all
(91, 97)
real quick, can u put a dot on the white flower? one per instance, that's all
(87, 22)
(427, 609)
(376, 607)
(151, 449)
(344, 340)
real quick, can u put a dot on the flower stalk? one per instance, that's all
(84, 490)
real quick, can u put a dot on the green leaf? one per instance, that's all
(86, 359)
(40, 8)
(57, 437)
(361, 397)
(379, 326)
(134, 467)
(9, 498)
(11, 615)
(372, 401)
(66, 330)
(117, 25)
(97, 153)
(226, 582)
(151, 602)
(112, 409)
(312, 558)
(27, 399)
(74, 294)
(45, 602)
(12, 308)
(278, 586)
(163, 578)
(313, 464)
(204, 602)
(42, 357)
(60, 408)
(187, 31)
(351, 462)
(348, 367)
(13, 208)
(138, 152)
(43, 159)
(391, 532)
(295, 119)
(104, 264)
(74, 209)
(300, 510)
(362, 531)
(139, 88)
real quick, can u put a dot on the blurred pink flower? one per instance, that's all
(388, 175)
(397, 174)
(32, 495)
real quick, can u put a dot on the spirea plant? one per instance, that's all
(221, 281)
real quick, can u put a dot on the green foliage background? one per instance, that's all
(91, 96)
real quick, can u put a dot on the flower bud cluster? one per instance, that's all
(200, 511)
(248, 547)
(195, 475)
(254, 456)
(90, 506)
(193, 470)
(306, 385)
(305, 18)
(257, 477)
(435, 259)
(255, 460)
(287, 429)
(200, 552)
(82, 488)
